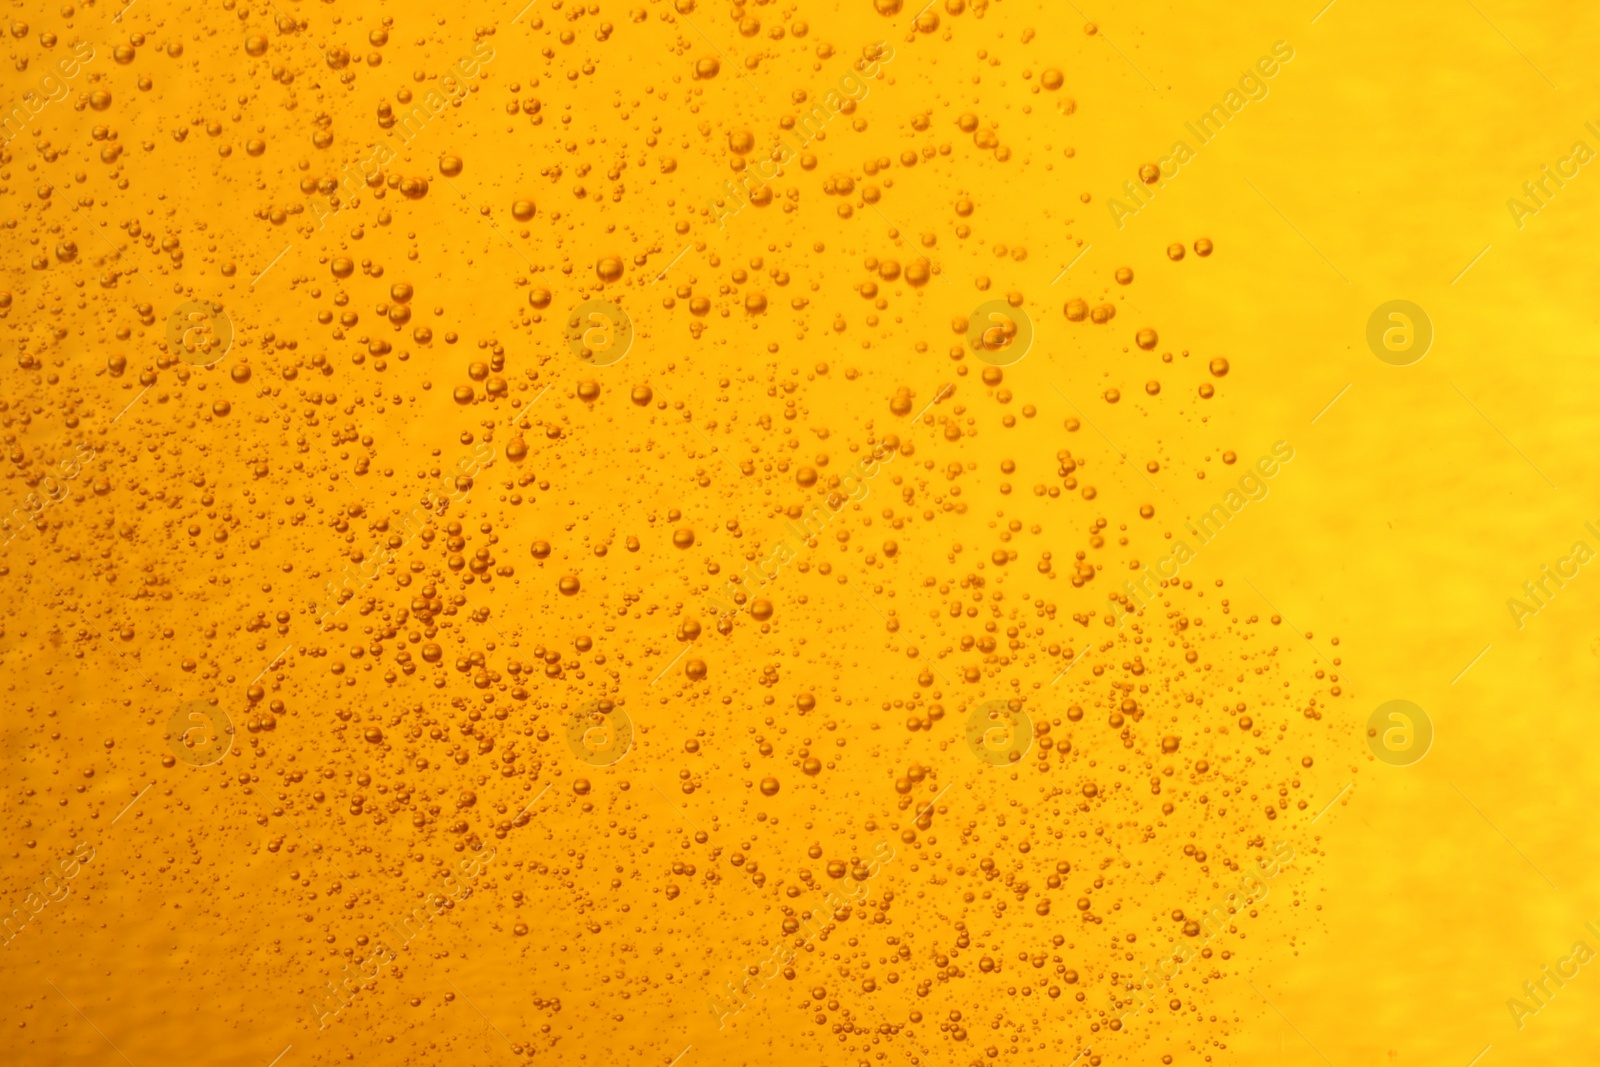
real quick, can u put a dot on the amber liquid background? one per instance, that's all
(188, 559)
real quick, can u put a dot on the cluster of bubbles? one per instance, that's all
(727, 599)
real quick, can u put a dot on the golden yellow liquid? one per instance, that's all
(518, 519)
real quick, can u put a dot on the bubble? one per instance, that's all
(641, 395)
(580, 786)
(199, 333)
(683, 537)
(918, 271)
(522, 211)
(740, 142)
(450, 165)
(588, 390)
(199, 733)
(400, 292)
(1202, 247)
(413, 188)
(695, 669)
(221, 408)
(541, 549)
(568, 584)
(516, 450)
(760, 610)
(1219, 367)
(769, 786)
(1051, 79)
(811, 766)
(1149, 173)
(805, 477)
(1146, 339)
(373, 735)
(255, 45)
(1175, 251)
(99, 99)
(688, 629)
(600, 733)
(707, 68)
(1076, 310)
(999, 732)
(342, 266)
(463, 394)
(1170, 743)
(805, 702)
